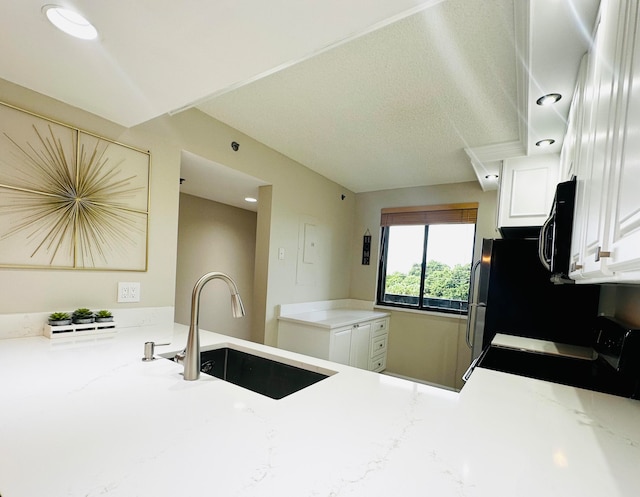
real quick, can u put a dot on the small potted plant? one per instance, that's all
(82, 315)
(103, 316)
(59, 319)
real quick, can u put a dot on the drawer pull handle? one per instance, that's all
(600, 254)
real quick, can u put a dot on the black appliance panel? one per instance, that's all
(618, 343)
(518, 297)
(554, 242)
(615, 371)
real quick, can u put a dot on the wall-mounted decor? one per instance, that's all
(70, 199)
(366, 248)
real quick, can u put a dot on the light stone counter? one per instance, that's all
(333, 318)
(88, 418)
(330, 313)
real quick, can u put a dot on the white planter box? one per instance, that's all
(77, 330)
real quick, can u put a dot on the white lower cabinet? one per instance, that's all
(379, 339)
(360, 354)
(362, 344)
(339, 345)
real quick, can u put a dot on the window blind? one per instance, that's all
(464, 213)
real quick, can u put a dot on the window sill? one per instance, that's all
(389, 308)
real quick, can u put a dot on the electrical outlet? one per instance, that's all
(134, 292)
(128, 291)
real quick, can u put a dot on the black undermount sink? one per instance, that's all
(258, 374)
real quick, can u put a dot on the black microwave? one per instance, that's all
(554, 242)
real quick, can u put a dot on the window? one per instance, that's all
(425, 257)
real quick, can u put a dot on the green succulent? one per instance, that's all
(82, 313)
(59, 316)
(103, 314)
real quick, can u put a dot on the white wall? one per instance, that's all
(212, 236)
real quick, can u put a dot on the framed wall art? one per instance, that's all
(70, 199)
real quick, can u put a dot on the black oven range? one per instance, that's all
(611, 365)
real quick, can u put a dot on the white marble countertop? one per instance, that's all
(333, 318)
(88, 418)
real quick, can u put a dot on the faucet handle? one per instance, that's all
(179, 358)
(149, 348)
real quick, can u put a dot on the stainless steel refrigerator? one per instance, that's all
(513, 295)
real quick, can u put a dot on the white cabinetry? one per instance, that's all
(362, 344)
(360, 353)
(606, 149)
(527, 186)
(571, 143)
(379, 339)
(338, 348)
(624, 232)
(350, 345)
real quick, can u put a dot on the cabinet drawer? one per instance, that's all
(378, 363)
(379, 345)
(380, 326)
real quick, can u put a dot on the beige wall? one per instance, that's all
(31, 290)
(298, 196)
(212, 236)
(429, 347)
(426, 348)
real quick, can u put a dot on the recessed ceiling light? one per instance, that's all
(70, 22)
(545, 143)
(549, 99)
(250, 199)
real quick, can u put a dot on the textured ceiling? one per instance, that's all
(395, 107)
(155, 56)
(373, 94)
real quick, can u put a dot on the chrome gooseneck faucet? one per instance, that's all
(190, 356)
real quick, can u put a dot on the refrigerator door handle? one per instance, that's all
(469, 328)
(472, 304)
(467, 373)
(546, 261)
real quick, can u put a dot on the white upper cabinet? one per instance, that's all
(527, 186)
(570, 163)
(624, 234)
(603, 152)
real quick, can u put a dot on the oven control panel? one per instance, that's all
(618, 343)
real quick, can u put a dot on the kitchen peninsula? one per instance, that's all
(88, 417)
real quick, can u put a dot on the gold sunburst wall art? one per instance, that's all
(70, 199)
